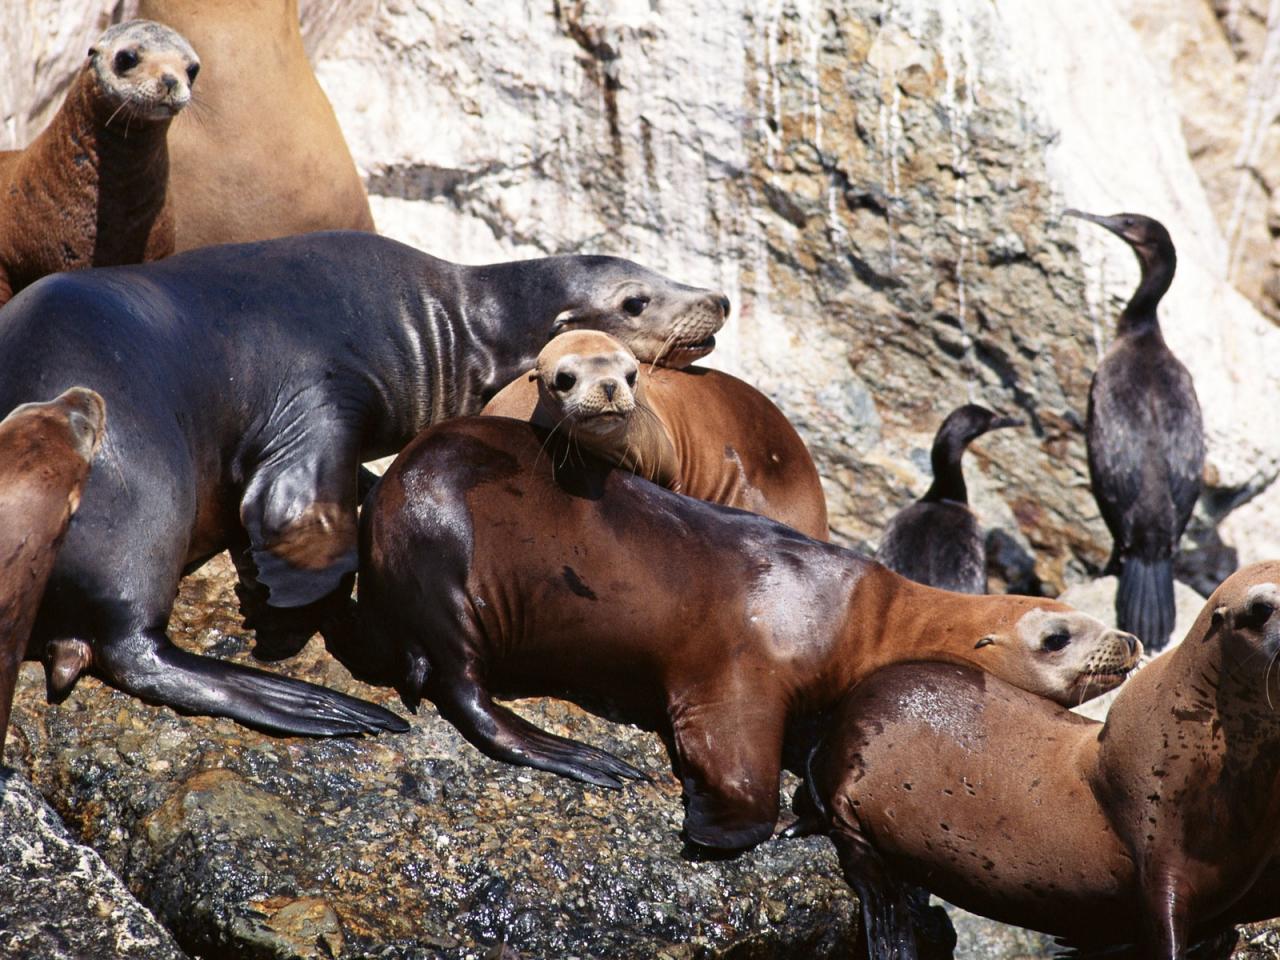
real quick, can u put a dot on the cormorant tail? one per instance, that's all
(1144, 601)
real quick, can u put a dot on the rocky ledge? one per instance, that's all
(400, 846)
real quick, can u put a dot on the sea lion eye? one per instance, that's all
(631, 379)
(125, 61)
(192, 71)
(565, 381)
(1056, 641)
(635, 305)
(1259, 613)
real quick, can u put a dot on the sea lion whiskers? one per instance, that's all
(547, 440)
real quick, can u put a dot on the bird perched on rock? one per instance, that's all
(937, 540)
(1145, 440)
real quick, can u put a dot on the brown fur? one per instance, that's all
(1161, 827)
(483, 571)
(699, 432)
(90, 190)
(262, 155)
(45, 451)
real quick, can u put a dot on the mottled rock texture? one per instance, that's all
(411, 846)
(59, 900)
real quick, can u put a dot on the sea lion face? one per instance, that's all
(32, 432)
(145, 70)
(1062, 654)
(659, 320)
(1246, 616)
(588, 380)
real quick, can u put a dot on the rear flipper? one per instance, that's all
(500, 734)
(148, 666)
(886, 908)
(1144, 601)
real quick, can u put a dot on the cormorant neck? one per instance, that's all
(948, 478)
(1157, 275)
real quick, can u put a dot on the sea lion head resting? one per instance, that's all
(660, 320)
(1059, 653)
(591, 386)
(145, 70)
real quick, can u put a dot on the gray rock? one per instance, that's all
(60, 901)
(416, 845)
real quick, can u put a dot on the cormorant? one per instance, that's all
(1145, 440)
(937, 540)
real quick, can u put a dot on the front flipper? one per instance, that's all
(299, 511)
(500, 734)
(148, 666)
(729, 751)
(886, 909)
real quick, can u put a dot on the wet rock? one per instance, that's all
(415, 845)
(60, 901)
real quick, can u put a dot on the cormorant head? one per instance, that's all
(1148, 237)
(967, 423)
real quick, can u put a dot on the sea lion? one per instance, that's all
(937, 540)
(90, 190)
(699, 432)
(1145, 440)
(246, 383)
(482, 572)
(1158, 827)
(262, 155)
(45, 449)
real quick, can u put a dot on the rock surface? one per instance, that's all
(60, 901)
(408, 846)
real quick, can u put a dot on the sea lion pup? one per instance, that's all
(483, 572)
(45, 449)
(90, 190)
(699, 432)
(937, 540)
(262, 154)
(1145, 440)
(246, 384)
(1158, 828)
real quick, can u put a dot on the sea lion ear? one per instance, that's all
(1216, 622)
(984, 642)
(564, 318)
(93, 51)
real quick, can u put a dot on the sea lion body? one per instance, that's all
(697, 431)
(1158, 828)
(90, 190)
(45, 451)
(262, 156)
(247, 382)
(492, 562)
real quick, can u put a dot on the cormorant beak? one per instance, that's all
(1111, 223)
(999, 422)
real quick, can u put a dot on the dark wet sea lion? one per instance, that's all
(937, 540)
(45, 449)
(1159, 828)
(246, 383)
(90, 190)
(1145, 440)
(261, 155)
(484, 571)
(696, 431)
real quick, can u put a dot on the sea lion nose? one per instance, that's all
(609, 387)
(724, 304)
(170, 82)
(1131, 642)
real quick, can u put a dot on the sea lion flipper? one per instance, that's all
(728, 750)
(503, 735)
(301, 522)
(147, 665)
(886, 910)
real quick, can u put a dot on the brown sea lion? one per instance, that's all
(90, 190)
(699, 432)
(1159, 828)
(45, 449)
(482, 571)
(247, 382)
(262, 155)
